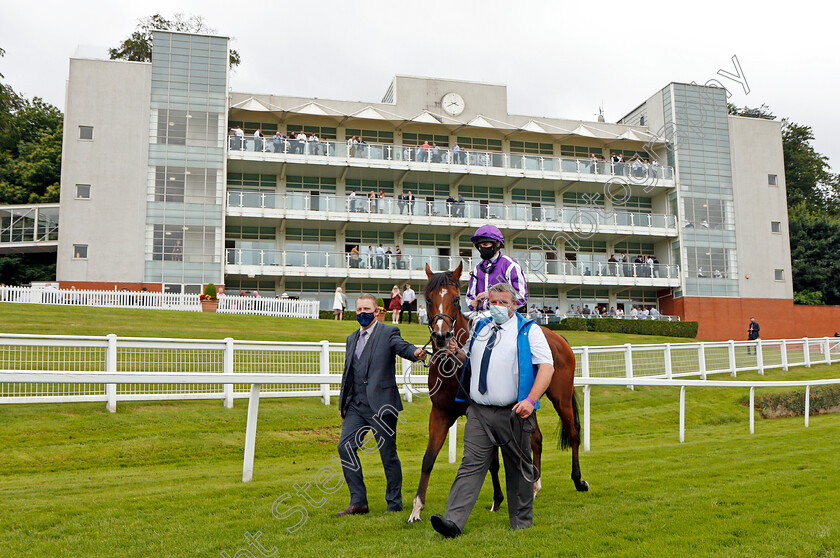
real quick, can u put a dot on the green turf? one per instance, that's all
(81, 320)
(164, 479)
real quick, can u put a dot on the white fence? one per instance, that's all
(66, 368)
(228, 304)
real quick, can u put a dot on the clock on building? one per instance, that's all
(453, 104)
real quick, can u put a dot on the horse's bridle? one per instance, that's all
(443, 316)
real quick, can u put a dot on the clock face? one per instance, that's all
(453, 104)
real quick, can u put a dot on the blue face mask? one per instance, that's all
(500, 313)
(364, 318)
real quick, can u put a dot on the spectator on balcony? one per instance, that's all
(351, 201)
(409, 200)
(388, 254)
(435, 153)
(395, 305)
(645, 313)
(612, 264)
(636, 167)
(301, 142)
(398, 255)
(278, 143)
(424, 151)
(360, 147)
(354, 256)
(593, 164)
(717, 274)
(654, 313)
(650, 268)
(619, 312)
(612, 312)
(177, 252)
(625, 265)
(450, 206)
(258, 141)
(238, 142)
(380, 257)
(586, 311)
(634, 312)
(401, 201)
(351, 146)
(381, 206)
(637, 267)
(457, 154)
(339, 304)
(700, 272)
(704, 224)
(656, 270)
(371, 205)
(460, 205)
(654, 167)
(370, 256)
(314, 144)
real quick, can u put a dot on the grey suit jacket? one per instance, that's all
(378, 358)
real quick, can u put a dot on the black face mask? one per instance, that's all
(487, 252)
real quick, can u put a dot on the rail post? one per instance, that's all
(784, 355)
(827, 349)
(668, 371)
(453, 441)
(682, 414)
(806, 349)
(807, 405)
(586, 421)
(251, 432)
(732, 363)
(628, 362)
(111, 366)
(407, 386)
(227, 368)
(759, 356)
(752, 410)
(701, 360)
(324, 362)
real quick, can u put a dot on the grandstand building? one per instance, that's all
(172, 181)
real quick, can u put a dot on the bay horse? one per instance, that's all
(446, 321)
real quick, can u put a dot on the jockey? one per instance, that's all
(494, 268)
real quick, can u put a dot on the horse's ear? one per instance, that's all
(429, 272)
(456, 274)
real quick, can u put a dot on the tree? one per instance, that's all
(807, 173)
(815, 244)
(761, 112)
(138, 46)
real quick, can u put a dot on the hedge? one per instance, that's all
(638, 327)
(792, 403)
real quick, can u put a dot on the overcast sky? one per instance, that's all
(557, 60)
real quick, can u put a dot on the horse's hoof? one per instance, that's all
(582, 486)
(495, 506)
(537, 487)
(413, 519)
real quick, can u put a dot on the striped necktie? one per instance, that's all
(485, 361)
(360, 344)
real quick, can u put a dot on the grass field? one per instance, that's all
(164, 479)
(80, 320)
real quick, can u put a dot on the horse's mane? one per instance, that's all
(439, 280)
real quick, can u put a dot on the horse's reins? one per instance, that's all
(523, 457)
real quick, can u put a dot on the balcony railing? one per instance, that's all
(469, 209)
(377, 263)
(636, 171)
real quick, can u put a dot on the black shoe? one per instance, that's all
(353, 510)
(445, 527)
(390, 509)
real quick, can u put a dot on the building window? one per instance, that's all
(772, 180)
(86, 132)
(82, 191)
(371, 136)
(323, 132)
(410, 138)
(580, 151)
(775, 226)
(780, 275)
(479, 144)
(531, 148)
(80, 251)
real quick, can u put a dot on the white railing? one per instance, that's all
(364, 207)
(228, 304)
(535, 262)
(635, 170)
(227, 364)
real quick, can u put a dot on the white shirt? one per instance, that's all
(503, 371)
(238, 132)
(340, 301)
(409, 296)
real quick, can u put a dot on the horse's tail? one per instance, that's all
(565, 435)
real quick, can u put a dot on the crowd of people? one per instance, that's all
(641, 266)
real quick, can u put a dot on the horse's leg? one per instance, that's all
(536, 455)
(439, 423)
(566, 406)
(498, 495)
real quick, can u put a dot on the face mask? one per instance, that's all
(487, 252)
(500, 313)
(364, 318)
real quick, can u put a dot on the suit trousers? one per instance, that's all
(478, 454)
(358, 419)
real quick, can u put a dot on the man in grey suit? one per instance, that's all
(369, 400)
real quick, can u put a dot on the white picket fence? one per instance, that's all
(59, 369)
(228, 304)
